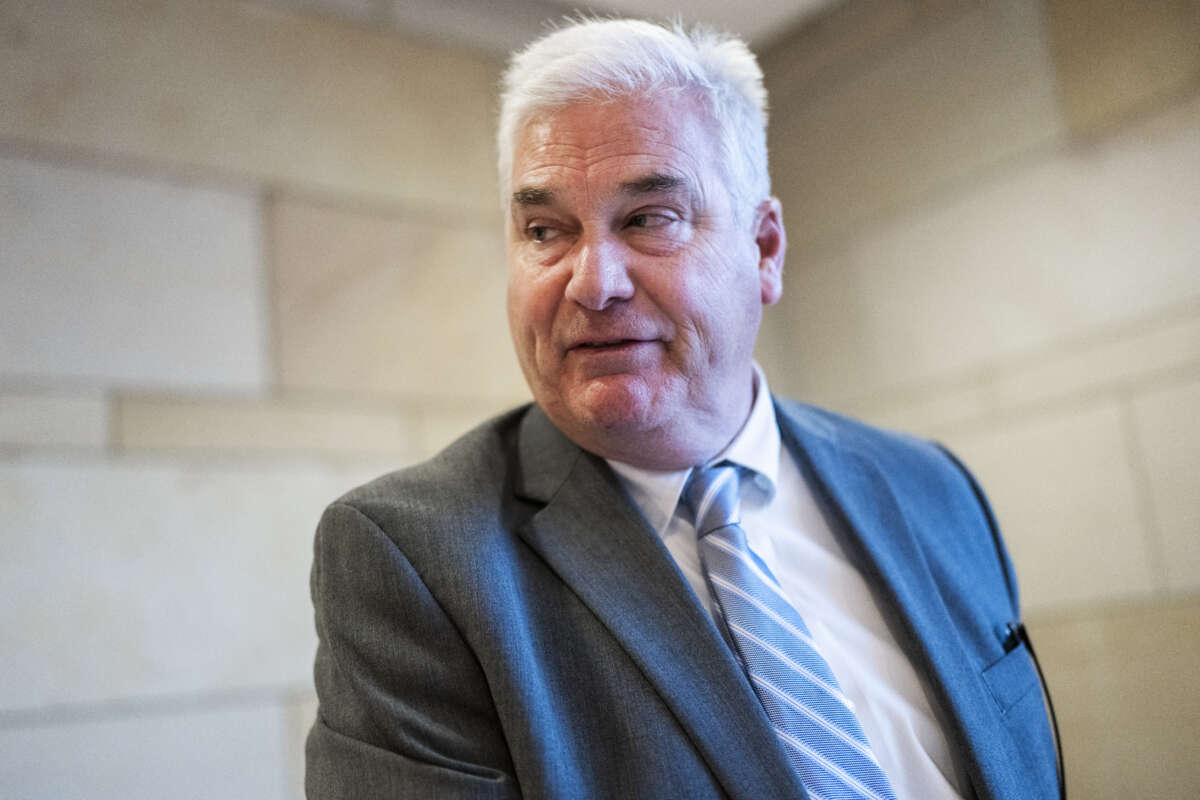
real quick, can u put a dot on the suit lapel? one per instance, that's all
(873, 529)
(594, 539)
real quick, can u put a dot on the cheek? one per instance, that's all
(696, 296)
(531, 309)
(718, 303)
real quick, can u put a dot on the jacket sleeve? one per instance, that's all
(404, 707)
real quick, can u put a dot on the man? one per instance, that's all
(658, 582)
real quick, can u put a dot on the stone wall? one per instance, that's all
(994, 214)
(250, 258)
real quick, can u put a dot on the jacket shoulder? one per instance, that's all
(469, 460)
(865, 439)
(464, 487)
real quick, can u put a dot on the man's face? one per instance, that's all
(635, 288)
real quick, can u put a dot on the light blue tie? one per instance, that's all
(811, 716)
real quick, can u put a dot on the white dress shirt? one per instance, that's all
(786, 529)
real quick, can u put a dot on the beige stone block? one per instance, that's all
(362, 11)
(127, 578)
(301, 714)
(1117, 58)
(496, 27)
(966, 95)
(106, 278)
(814, 342)
(189, 754)
(1063, 491)
(441, 425)
(391, 305)
(834, 44)
(1168, 434)
(263, 426)
(1107, 363)
(248, 90)
(41, 419)
(1123, 683)
(1062, 251)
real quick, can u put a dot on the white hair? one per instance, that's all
(611, 59)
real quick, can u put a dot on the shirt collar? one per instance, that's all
(755, 448)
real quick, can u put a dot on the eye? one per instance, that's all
(541, 233)
(647, 219)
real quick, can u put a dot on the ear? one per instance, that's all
(771, 240)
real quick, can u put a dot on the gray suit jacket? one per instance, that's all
(501, 622)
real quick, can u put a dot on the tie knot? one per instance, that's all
(712, 493)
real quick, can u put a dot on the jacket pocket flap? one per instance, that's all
(1011, 678)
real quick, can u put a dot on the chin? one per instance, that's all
(607, 409)
(617, 402)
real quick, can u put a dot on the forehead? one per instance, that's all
(613, 141)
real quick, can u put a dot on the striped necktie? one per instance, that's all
(810, 714)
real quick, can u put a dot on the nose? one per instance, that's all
(600, 275)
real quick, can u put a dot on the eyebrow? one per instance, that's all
(530, 196)
(652, 183)
(646, 184)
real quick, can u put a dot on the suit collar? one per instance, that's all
(591, 535)
(545, 455)
(878, 536)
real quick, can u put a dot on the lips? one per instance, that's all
(607, 343)
(606, 355)
(611, 346)
(610, 335)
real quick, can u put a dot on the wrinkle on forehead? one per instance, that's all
(546, 176)
(552, 151)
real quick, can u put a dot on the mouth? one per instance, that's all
(613, 353)
(608, 343)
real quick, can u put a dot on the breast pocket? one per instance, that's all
(1012, 679)
(1015, 686)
